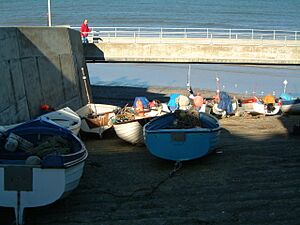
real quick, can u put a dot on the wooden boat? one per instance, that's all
(96, 118)
(290, 103)
(40, 162)
(255, 106)
(129, 126)
(164, 139)
(66, 118)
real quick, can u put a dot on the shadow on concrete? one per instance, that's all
(93, 53)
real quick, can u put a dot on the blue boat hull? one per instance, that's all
(291, 106)
(181, 144)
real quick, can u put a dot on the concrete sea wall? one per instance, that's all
(39, 65)
(195, 50)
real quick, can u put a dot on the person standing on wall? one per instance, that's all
(84, 31)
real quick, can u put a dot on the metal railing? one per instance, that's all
(202, 33)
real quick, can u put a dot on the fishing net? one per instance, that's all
(124, 115)
(186, 119)
(51, 145)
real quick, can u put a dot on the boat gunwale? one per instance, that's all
(188, 130)
(135, 120)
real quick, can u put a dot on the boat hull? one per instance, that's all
(65, 180)
(257, 108)
(181, 144)
(132, 131)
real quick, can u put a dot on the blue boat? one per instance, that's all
(165, 140)
(40, 162)
(290, 103)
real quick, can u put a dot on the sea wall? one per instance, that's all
(39, 65)
(194, 50)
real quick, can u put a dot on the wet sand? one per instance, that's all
(251, 178)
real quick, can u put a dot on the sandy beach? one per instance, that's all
(251, 178)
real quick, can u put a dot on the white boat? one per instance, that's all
(65, 117)
(131, 129)
(31, 175)
(255, 106)
(96, 118)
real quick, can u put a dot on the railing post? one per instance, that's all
(229, 33)
(274, 35)
(285, 40)
(134, 36)
(185, 34)
(295, 35)
(161, 33)
(252, 34)
(115, 32)
(206, 32)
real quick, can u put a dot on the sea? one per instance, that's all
(235, 14)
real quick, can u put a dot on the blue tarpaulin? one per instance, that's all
(289, 97)
(172, 104)
(144, 100)
(225, 102)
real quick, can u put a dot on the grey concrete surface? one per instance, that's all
(39, 65)
(194, 50)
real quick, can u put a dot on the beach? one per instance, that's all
(251, 178)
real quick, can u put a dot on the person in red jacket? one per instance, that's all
(84, 31)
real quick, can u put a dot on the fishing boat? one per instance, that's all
(255, 106)
(40, 162)
(166, 137)
(65, 117)
(96, 118)
(290, 103)
(129, 121)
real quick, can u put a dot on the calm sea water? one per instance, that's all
(252, 14)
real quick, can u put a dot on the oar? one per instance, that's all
(85, 85)
(87, 91)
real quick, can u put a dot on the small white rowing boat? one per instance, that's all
(66, 118)
(95, 118)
